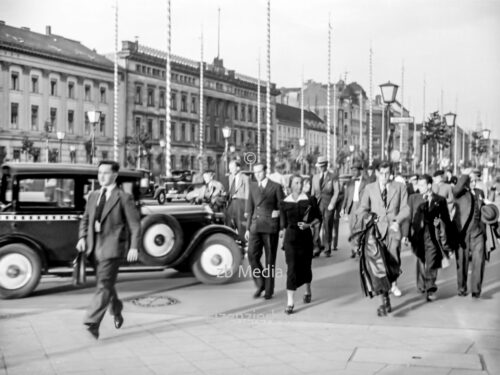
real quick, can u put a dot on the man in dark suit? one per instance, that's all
(325, 188)
(110, 218)
(429, 243)
(352, 198)
(471, 235)
(263, 226)
(239, 188)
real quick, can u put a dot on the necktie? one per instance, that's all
(384, 196)
(100, 205)
(231, 188)
(261, 187)
(321, 179)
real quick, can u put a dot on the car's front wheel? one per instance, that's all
(162, 240)
(218, 259)
(20, 271)
(161, 198)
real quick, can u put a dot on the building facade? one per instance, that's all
(48, 83)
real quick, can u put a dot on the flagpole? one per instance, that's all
(115, 77)
(201, 104)
(268, 88)
(168, 148)
(328, 121)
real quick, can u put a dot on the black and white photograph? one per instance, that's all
(251, 187)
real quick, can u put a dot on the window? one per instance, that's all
(236, 111)
(184, 102)
(34, 117)
(105, 155)
(138, 95)
(151, 97)
(250, 113)
(345, 114)
(102, 124)
(242, 136)
(174, 131)
(207, 135)
(172, 162)
(243, 112)
(34, 84)
(14, 81)
(87, 93)
(53, 87)
(193, 132)
(138, 68)
(51, 192)
(183, 132)
(173, 101)
(150, 128)
(71, 90)
(193, 104)
(162, 99)
(102, 91)
(137, 125)
(162, 129)
(87, 123)
(14, 115)
(71, 121)
(53, 117)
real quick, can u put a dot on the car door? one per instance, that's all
(49, 213)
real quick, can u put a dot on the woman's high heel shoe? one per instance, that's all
(289, 309)
(307, 298)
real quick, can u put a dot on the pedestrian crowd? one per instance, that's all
(441, 217)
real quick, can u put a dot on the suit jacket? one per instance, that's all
(242, 188)
(261, 205)
(464, 218)
(120, 225)
(397, 204)
(423, 213)
(211, 192)
(328, 192)
(445, 190)
(348, 202)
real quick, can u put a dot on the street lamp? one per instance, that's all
(226, 133)
(450, 118)
(389, 91)
(94, 117)
(163, 144)
(60, 137)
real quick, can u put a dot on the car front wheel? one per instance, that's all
(162, 240)
(217, 260)
(161, 198)
(20, 271)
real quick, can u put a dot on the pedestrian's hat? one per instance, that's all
(357, 165)
(489, 214)
(321, 161)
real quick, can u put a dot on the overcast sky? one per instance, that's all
(453, 44)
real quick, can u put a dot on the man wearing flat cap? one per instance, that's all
(325, 187)
(353, 192)
(471, 235)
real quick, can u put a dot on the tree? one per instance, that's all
(26, 146)
(437, 134)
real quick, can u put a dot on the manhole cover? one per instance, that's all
(154, 301)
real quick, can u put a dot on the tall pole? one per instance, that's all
(442, 119)
(401, 130)
(168, 144)
(328, 121)
(268, 87)
(414, 146)
(302, 107)
(360, 122)
(259, 119)
(455, 148)
(370, 132)
(382, 143)
(426, 146)
(218, 34)
(115, 75)
(201, 104)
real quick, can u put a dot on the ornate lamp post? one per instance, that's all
(389, 91)
(450, 118)
(60, 137)
(226, 133)
(94, 118)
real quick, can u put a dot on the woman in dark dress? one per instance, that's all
(298, 214)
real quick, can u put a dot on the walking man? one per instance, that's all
(263, 225)
(352, 198)
(389, 201)
(444, 189)
(239, 189)
(429, 221)
(109, 215)
(326, 190)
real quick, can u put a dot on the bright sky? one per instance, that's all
(453, 44)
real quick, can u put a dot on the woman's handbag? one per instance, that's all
(79, 275)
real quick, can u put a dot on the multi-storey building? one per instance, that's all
(48, 83)
(229, 99)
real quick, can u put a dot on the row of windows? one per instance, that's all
(52, 122)
(54, 88)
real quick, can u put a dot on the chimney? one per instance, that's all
(48, 30)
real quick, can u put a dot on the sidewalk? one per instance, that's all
(57, 343)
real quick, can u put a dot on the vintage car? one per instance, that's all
(147, 186)
(177, 186)
(40, 209)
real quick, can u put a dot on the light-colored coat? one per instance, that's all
(242, 187)
(120, 226)
(446, 191)
(397, 204)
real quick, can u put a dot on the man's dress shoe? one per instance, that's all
(118, 321)
(94, 330)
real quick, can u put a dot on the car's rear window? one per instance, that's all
(50, 192)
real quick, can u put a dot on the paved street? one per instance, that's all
(223, 330)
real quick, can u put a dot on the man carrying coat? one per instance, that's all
(325, 187)
(429, 221)
(110, 218)
(471, 235)
(239, 188)
(263, 227)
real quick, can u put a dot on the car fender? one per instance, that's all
(200, 236)
(28, 241)
(158, 190)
